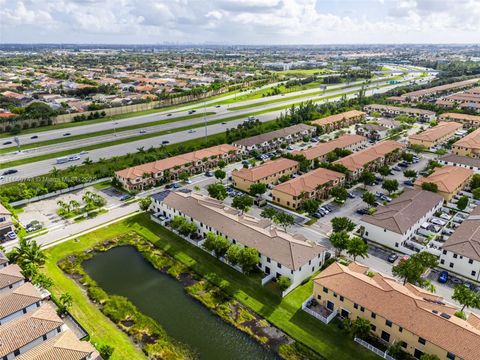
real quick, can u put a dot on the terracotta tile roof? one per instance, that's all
(21, 297)
(338, 117)
(308, 182)
(400, 109)
(437, 132)
(170, 163)
(406, 306)
(27, 328)
(277, 134)
(292, 251)
(322, 149)
(64, 346)
(437, 89)
(466, 238)
(358, 159)
(448, 178)
(403, 212)
(10, 274)
(264, 170)
(458, 116)
(471, 141)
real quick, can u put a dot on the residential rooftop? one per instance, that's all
(458, 116)
(292, 251)
(19, 298)
(322, 149)
(471, 141)
(412, 308)
(171, 162)
(404, 211)
(264, 170)
(308, 182)
(447, 178)
(360, 158)
(277, 134)
(400, 109)
(462, 160)
(332, 119)
(9, 275)
(441, 88)
(436, 132)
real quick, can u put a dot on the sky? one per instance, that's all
(229, 22)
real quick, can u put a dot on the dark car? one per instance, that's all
(168, 186)
(392, 258)
(408, 182)
(7, 143)
(317, 215)
(208, 174)
(165, 142)
(443, 277)
(67, 134)
(176, 185)
(169, 114)
(362, 211)
(10, 172)
(34, 137)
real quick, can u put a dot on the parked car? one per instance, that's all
(125, 197)
(396, 168)
(208, 174)
(437, 221)
(363, 211)
(351, 196)
(168, 186)
(324, 209)
(443, 277)
(392, 258)
(408, 182)
(176, 185)
(11, 235)
(318, 215)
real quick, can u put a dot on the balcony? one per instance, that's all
(318, 311)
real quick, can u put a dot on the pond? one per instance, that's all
(123, 271)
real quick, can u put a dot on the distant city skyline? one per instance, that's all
(229, 22)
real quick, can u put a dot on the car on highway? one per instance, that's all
(10, 172)
(192, 111)
(142, 131)
(34, 137)
(165, 142)
(217, 106)
(67, 134)
(169, 114)
(7, 143)
(73, 158)
(392, 258)
(224, 123)
(83, 152)
(443, 277)
(191, 131)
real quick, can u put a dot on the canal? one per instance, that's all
(123, 271)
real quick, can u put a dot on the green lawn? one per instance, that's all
(284, 313)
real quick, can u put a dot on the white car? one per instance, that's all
(437, 221)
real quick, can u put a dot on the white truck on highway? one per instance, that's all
(62, 160)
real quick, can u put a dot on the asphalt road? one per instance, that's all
(42, 167)
(220, 113)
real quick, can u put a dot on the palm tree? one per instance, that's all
(87, 161)
(54, 172)
(27, 252)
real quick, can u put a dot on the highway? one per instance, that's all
(219, 113)
(42, 167)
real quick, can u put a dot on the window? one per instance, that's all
(362, 309)
(355, 306)
(373, 327)
(325, 290)
(442, 261)
(422, 341)
(334, 294)
(385, 336)
(400, 329)
(418, 354)
(341, 298)
(403, 344)
(470, 261)
(451, 265)
(455, 256)
(268, 259)
(450, 356)
(474, 273)
(388, 323)
(279, 265)
(373, 315)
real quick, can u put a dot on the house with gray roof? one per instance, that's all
(392, 225)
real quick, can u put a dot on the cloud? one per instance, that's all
(240, 21)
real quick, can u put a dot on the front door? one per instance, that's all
(329, 305)
(267, 270)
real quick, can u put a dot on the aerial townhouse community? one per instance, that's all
(420, 321)
(30, 328)
(468, 145)
(267, 173)
(435, 135)
(371, 158)
(280, 253)
(468, 121)
(449, 180)
(341, 120)
(393, 111)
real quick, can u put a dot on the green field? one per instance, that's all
(284, 313)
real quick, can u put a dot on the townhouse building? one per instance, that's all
(321, 150)
(339, 121)
(468, 121)
(141, 176)
(394, 224)
(315, 184)
(420, 321)
(371, 158)
(273, 140)
(267, 173)
(461, 161)
(10, 277)
(435, 135)
(372, 131)
(461, 251)
(468, 145)
(449, 180)
(393, 111)
(6, 223)
(281, 253)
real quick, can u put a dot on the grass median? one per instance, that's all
(285, 313)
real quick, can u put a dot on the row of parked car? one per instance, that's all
(322, 211)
